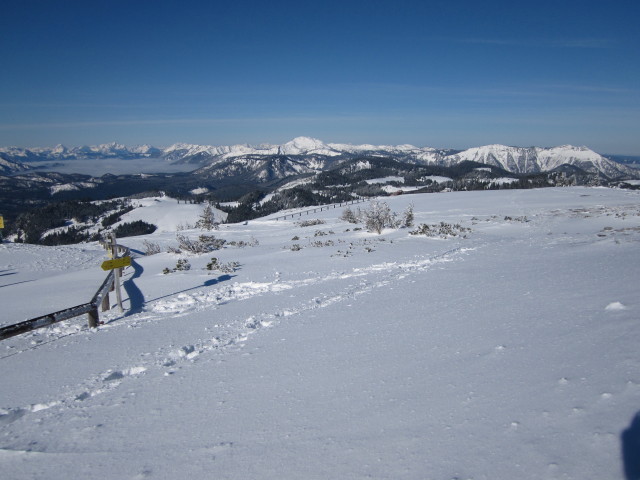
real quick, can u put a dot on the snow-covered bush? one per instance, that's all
(321, 233)
(378, 216)
(516, 219)
(204, 244)
(349, 215)
(228, 267)
(441, 230)
(408, 217)
(181, 265)
(253, 242)
(318, 243)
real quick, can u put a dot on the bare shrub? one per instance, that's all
(349, 215)
(378, 216)
(310, 223)
(151, 248)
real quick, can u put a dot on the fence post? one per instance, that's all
(93, 318)
(105, 302)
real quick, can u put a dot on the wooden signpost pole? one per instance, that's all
(114, 255)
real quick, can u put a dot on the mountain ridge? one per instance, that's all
(310, 155)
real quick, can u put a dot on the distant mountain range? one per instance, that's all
(304, 155)
(9, 167)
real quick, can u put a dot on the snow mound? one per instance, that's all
(615, 306)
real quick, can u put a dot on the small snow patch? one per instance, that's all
(615, 306)
(135, 370)
(43, 406)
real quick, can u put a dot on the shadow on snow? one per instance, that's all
(630, 440)
(136, 297)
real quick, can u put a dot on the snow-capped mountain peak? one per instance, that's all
(301, 145)
(321, 155)
(539, 159)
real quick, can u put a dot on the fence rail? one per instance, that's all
(91, 308)
(319, 209)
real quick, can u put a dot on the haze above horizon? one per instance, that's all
(437, 73)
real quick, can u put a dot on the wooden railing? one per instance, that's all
(91, 308)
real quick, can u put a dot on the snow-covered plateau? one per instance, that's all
(505, 346)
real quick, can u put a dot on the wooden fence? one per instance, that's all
(319, 209)
(111, 282)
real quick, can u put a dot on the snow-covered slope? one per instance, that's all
(511, 353)
(9, 167)
(583, 158)
(167, 213)
(512, 159)
(537, 159)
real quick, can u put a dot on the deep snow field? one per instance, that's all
(512, 353)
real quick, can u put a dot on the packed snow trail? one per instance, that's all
(508, 354)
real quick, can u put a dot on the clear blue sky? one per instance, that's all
(431, 73)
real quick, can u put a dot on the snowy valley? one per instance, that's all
(496, 337)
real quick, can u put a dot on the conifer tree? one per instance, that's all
(207, 219)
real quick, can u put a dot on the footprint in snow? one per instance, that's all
(11, 415)
(120, 374)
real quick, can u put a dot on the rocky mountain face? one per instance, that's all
(537, 159)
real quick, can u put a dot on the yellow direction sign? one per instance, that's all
(116, 263)
(1, 222)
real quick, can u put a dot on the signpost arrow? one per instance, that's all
(116, 263)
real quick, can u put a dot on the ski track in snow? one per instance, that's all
(233, 335)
